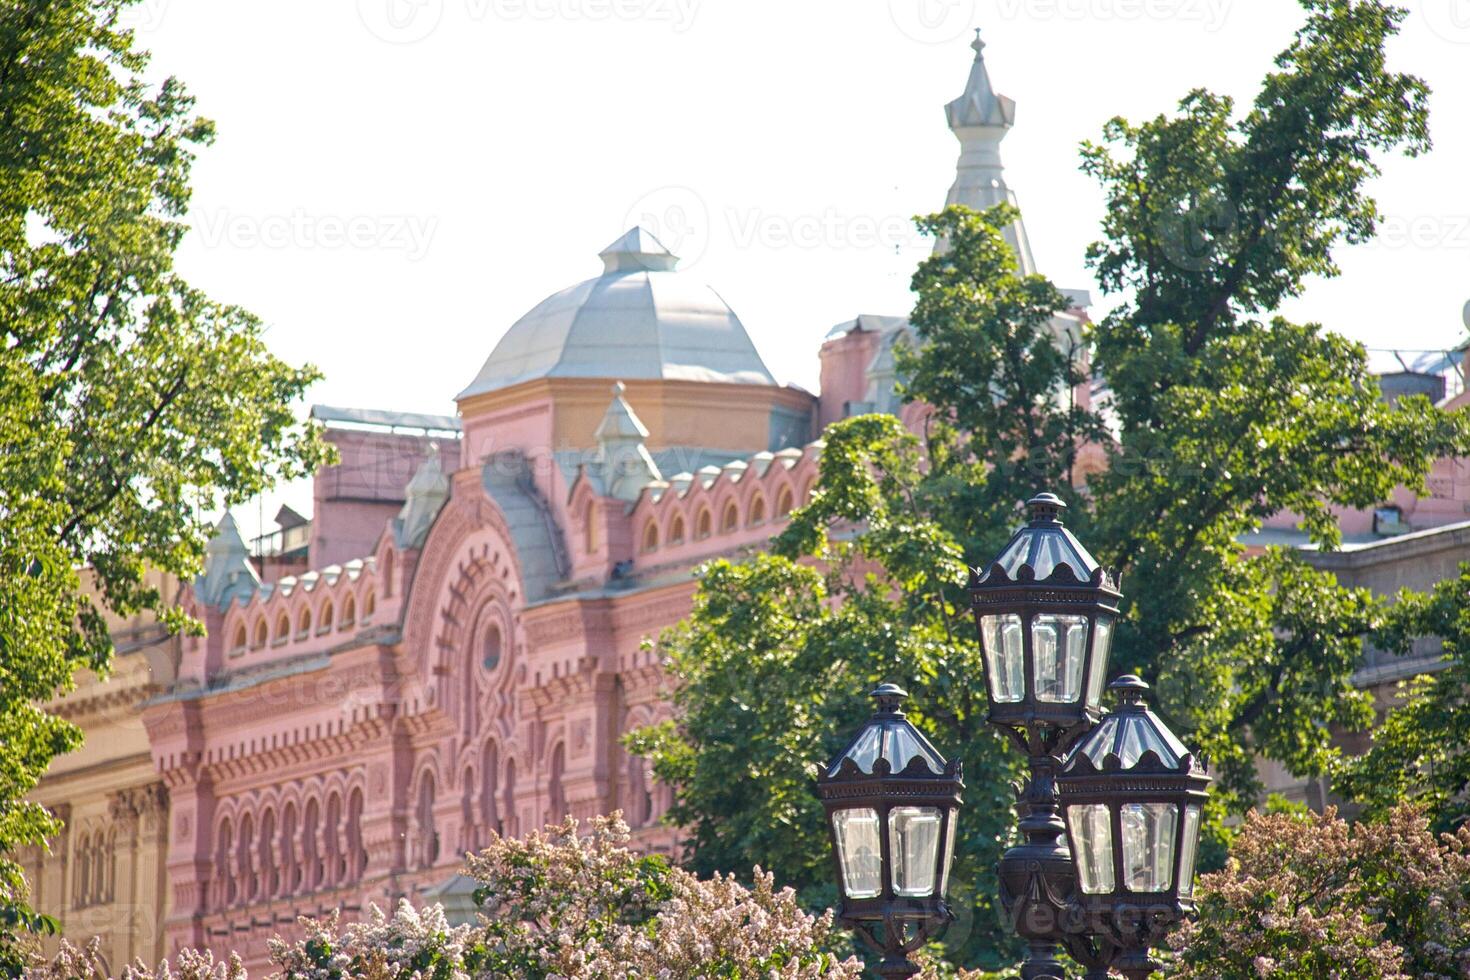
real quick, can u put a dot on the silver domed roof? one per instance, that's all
(639, 320)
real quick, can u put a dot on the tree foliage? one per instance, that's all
(131, 404)
(567, 902)
(775, 662)
(1419, 752)
(1217, 416)
(1309, 897)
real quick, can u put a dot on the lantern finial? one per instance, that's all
(890, 698)
(1130, 689)
(1046, 509)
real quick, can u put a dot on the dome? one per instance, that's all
(639, 320)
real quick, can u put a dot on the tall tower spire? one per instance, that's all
(980, 118)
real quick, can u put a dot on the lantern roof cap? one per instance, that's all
(1132, 737)
(889, 743)
(1043, 550)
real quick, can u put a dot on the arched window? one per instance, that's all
(303, 623)
(508, 812)
(349, 613)
(489, 815)
(224, 881)
(260, 635)
(428, 836)
(676, 530)
(492, 648)
(324, 619)
(589, 528)
(107, 843)
(702, 524)
(650, 536)
(283, 628)
(369, 606)
(757, 510)
(731, 520)
(386, 573)
(240, 640)
(266, 861)
(245, 858)
(290, 867)
(640, 800)
(311, 825)
(83, 882)
(357, 853)
(555, 794)
(783, 502)
(335, 860)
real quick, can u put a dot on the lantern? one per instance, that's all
(1132, 795)
(891, 803)
(1045, 610)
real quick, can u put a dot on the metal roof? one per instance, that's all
(386, 418)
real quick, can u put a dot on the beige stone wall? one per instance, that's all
(104, 874)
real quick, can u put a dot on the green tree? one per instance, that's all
(1419, 752)
(1218, 416)
(131, 405)
(780, 651)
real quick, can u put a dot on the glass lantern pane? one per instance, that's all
(864, 752)
(1004, 656)
(1139, 736)
(1091, 832)
(1049, 554)
(913, 847)
(1148, 845)
(859, 852)
(1058, 646)
(1189, 845)
(1015, 554)
(1102, 641)
(954, 816)
(903, 746)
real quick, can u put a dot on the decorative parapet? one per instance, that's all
(722, 507)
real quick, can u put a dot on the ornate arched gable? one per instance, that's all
(468, 585)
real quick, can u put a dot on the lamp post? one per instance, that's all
(1132, 794)
(891, 803)
(1045, 610)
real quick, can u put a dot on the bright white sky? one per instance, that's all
(396, 181)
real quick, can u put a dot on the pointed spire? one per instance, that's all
(622, 459)
(637, 251)
(424, 497)
(980, 105)
(980, 118)
(227, 573)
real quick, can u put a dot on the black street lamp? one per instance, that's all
(891, 803)
(1045, 610)
(1132, 794)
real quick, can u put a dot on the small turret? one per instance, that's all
(227, 574)
(425, 496)
(623, 461)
